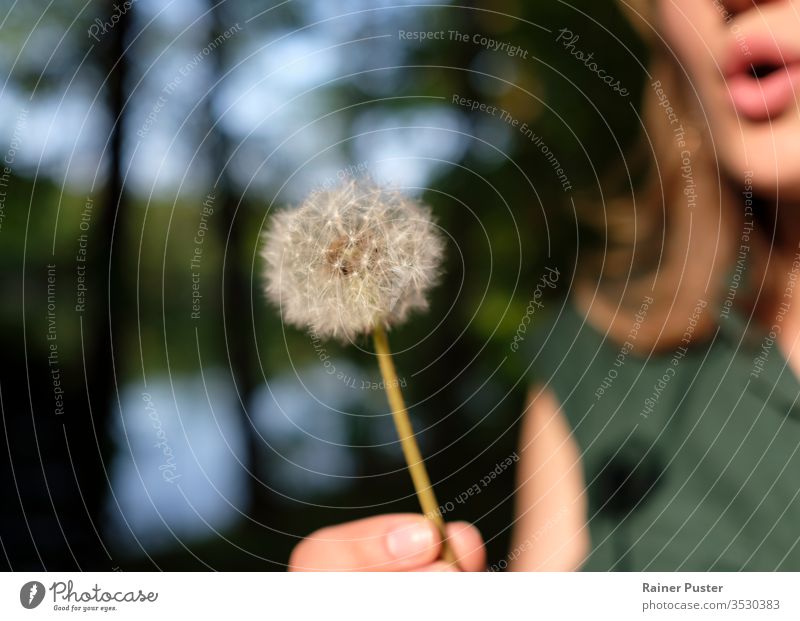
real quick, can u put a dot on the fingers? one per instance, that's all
(438, 566)
(396, 542)
(467, 545)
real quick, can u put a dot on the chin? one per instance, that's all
(765, 154)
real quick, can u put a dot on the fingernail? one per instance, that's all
(410, 539)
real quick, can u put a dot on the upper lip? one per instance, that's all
(750, 55)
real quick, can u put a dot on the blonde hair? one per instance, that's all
(658, 246)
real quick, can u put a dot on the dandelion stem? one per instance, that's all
(414, 461)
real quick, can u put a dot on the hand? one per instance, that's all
(393, 542)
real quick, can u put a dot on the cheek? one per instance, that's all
(692, 31)
(689, 26)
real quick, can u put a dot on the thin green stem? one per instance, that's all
(414, 461)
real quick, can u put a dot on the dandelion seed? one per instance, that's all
(355, 259)
(350, 258)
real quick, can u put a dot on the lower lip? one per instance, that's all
(765, 98)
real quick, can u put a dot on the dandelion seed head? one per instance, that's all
(350, 258)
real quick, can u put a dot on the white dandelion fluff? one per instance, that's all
(352, 258)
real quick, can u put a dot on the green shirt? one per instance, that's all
(691, 457)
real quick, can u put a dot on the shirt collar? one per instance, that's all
(770, 374)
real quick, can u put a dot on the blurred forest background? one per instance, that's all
(156, 413)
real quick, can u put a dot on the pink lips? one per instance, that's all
(767, 96)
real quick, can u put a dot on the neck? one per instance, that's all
(778, 305)
(787, 230)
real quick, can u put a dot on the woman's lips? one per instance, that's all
(768, 96)
(764, 98)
